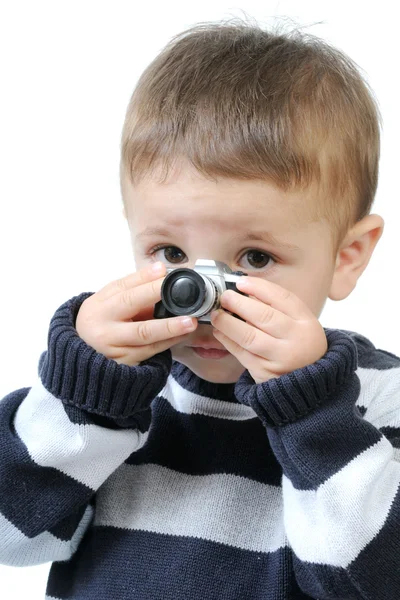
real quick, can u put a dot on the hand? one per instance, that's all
(118, 320)
(280, 333)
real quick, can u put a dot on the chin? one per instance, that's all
(225, 370)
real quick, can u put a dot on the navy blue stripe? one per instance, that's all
(377, 566)
(294, 395)
(362, 410)
(32, 497)
(392, 434)
(79, 376)
(137, 565)
(65, 529)
(327, 583)
(381, 360)
(140, 421)
(370, 357)
(323, 442)
(200, 445)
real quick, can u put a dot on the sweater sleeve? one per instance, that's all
(63, 437)
(337, 442)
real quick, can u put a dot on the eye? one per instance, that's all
(256, 259)
(171, 254)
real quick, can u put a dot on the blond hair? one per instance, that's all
(241, 102)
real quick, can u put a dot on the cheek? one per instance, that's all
(140, 262)
(314, 292)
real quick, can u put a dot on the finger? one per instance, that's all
(148, 333)
(245, 335)
(259, 314)
(133, 280)
(132, 303)
(246, 358)
(275, 295)
(164, 345)
(134, 356)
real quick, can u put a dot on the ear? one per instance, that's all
(354, 255)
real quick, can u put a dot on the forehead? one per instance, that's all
(187, 197)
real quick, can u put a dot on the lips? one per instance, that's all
(209, 349)
(207, 345)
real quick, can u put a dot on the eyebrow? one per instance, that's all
(156, 231)
(266, 236)
(256, 236)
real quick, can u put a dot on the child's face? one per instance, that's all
(190, 217)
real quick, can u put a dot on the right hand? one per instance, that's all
(118, 320)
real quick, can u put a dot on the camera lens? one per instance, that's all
(183, 291)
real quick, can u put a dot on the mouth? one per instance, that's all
(209, 350)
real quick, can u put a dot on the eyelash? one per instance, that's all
(155, 249)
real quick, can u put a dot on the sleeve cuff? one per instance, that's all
(74, 372)
(290, 397)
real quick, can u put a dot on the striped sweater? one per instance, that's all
(150, 483)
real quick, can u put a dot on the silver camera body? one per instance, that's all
(196, 292)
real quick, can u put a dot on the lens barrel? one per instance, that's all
(183, 291)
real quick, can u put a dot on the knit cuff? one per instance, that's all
(290, 397)
(74, 372)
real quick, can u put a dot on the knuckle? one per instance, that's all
(248, 339)
(170, 326)
(121, 284)
(144, 331)
(235, 301)
(286, 295)
(126, 299)
(156, 287)
(266, 316)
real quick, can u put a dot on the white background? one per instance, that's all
(67, 72)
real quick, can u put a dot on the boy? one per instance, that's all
(253, 458)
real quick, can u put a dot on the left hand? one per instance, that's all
(280, 333)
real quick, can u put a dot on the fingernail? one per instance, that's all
(157, 267)
(187, 323)
(242, 283)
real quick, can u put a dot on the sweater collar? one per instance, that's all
(192, 383)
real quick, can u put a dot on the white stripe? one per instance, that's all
(380, 395)
(222, 508)
(193, 404)
(333, 524)
(17, 550)
(87, 453)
